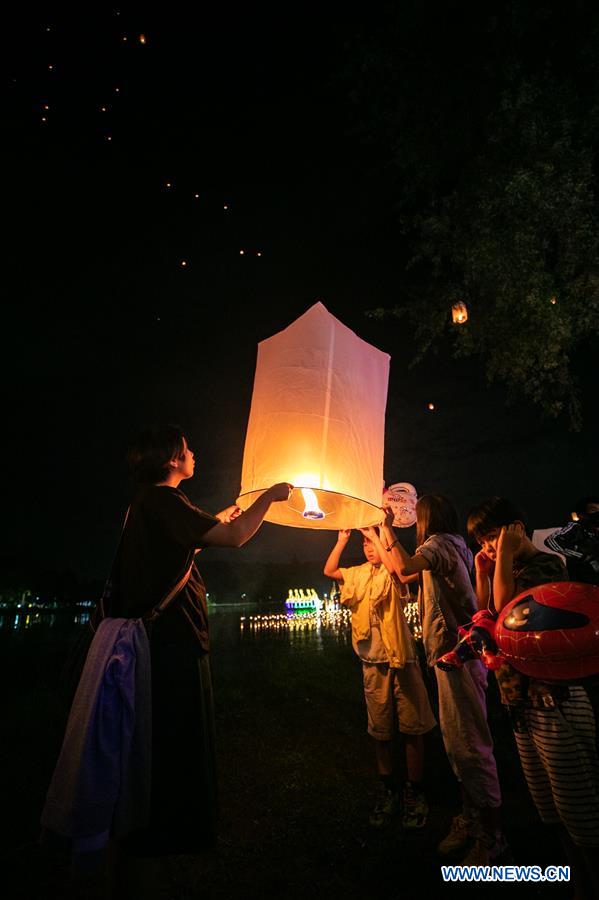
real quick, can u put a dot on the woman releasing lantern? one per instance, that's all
(171, 772)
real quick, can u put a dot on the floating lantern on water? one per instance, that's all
(318, 420)
(459, 313)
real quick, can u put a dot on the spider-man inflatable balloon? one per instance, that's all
(550, 632)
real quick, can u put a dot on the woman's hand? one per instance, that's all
(227, 515)
(279, 492)
(483, 564)
(343, 536)
(370, 532)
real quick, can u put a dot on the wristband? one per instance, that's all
(388, 549)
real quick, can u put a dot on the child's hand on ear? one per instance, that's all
(482, 563)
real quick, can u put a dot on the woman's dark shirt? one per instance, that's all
(162, 533)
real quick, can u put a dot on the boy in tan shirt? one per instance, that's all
(394, 690)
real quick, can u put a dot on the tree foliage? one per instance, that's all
(488, 120)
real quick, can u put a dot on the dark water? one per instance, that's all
(251, 626)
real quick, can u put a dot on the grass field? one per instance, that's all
(296, 780)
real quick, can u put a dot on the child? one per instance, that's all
(393, 682)
(553, 723)
(447, 600)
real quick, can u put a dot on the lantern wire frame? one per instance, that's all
(340, 510)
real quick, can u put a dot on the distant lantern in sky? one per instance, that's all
(430, 406)
(459, 313)
(142, 39)
(183, 262)
(553, 301)
(317, 419)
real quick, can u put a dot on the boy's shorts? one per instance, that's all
(396, 696)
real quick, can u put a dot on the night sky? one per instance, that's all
(245, 114)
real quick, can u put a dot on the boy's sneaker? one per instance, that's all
(415, 808)
(386, 808)
(487, 850)
(458, 838)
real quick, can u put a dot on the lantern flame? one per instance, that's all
(312, 510)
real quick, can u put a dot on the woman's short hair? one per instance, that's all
(435, 514)
(492, 514)
(151, 452)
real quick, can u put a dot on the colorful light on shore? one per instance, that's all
(331, 617)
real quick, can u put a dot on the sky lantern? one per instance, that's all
(459, 313)
(317, 419)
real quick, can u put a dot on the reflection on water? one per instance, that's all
(299, 628)
(330, 622)
(21, 621)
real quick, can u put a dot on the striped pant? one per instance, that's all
(558, 753)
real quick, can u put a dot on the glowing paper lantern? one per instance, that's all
(459, 313)
(318, 420)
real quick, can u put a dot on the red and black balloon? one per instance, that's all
(550, 632)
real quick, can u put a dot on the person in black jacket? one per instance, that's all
(578, 541)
